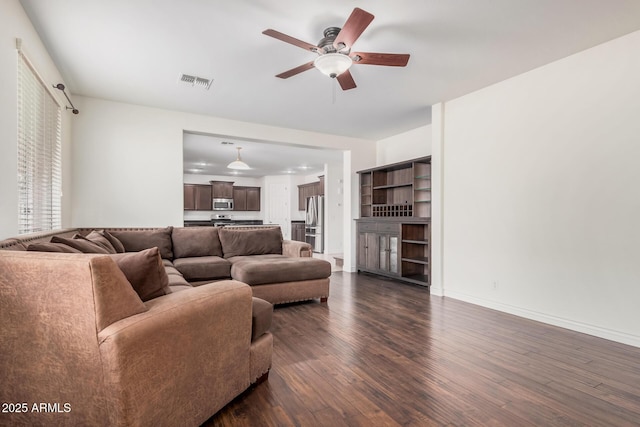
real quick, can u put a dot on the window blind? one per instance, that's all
(39, 153)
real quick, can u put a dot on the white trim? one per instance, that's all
(584, 328)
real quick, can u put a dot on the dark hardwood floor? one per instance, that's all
(383, 353)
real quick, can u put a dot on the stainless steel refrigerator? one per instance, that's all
(314, 223)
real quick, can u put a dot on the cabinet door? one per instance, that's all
(253, 198)
(388, 253)
(222, 189)
(368, 251)
(301, 199)
(189, 197)
(239, 198)
(203, 197)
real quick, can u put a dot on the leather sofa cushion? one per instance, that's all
(261, 317)
(83, 245)
(203, 267)
(139, 240)
(52, 247)
(145, 271)
(117, 244)
(98, 239)
(251, 242)
(280, 270)
(195, 241)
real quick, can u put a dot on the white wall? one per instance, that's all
(334, 212)
(14, 23)
(541, 193)
(405, 146)
(128, 161)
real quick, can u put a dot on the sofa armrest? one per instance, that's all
(183, 359)
(296, 249)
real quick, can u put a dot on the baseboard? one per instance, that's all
(585, 328)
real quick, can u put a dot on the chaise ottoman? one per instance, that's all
(279, 279)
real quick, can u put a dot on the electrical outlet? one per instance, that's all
(494, 285)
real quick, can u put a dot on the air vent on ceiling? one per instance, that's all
(195, 81)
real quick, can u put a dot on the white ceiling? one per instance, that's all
(134, 50)
(207, 155)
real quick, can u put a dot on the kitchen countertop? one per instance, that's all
(211, 222)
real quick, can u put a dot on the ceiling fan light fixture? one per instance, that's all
(333, 64)
(238, 164)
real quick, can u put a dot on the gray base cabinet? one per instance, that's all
(395, 248)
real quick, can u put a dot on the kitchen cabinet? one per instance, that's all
(222, 189)
(297, 231)
(309, 190)
(197, 197)
(246, 198)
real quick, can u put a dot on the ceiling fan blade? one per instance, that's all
(299, 69)
(357, 22)
(291, 40)
(374, 58)
(346, 81)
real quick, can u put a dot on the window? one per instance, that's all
(39, 153)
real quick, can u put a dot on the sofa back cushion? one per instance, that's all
(139, 240)
(195, 241)
(251, 242)
(145, 271)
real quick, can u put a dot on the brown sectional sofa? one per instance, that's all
(78, 339)
(278, 270)
(130, 348)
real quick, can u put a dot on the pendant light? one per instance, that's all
(238, 163)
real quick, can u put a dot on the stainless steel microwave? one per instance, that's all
(222, 204)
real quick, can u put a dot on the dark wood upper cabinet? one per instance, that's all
(222, 189)
(246, 198)
(189, 197)
(197, 197)
(308, 190)
(253, 198)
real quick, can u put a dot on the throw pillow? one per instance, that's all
(251, 242)
(52, 247)
(145, 271)
(195, 241)
(117, 244)
(98, 239)
(138, 240)
(82, 245)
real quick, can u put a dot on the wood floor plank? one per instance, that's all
(384, 353)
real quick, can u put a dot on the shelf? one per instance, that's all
(423, 189)
(417, 260)
(417, 278)
(423, 201)
(385, 187)
(423, 177)
(417, 242)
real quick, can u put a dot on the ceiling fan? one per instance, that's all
(334, 51)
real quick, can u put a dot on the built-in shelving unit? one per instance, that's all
(415, 253)
(398, 190)
(394, 226)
